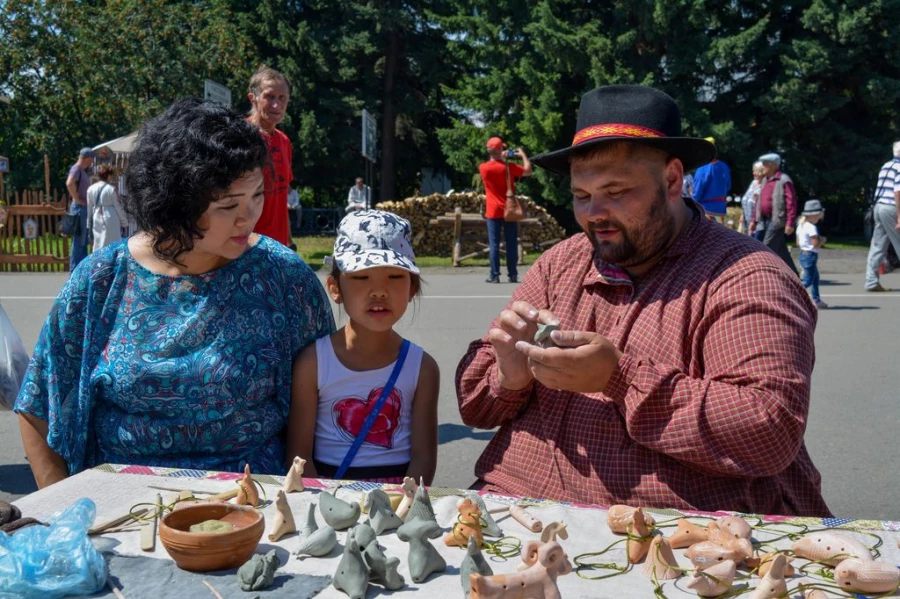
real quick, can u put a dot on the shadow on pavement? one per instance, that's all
(16, 479)
(454, 432)
(833, 283)
(832, 308)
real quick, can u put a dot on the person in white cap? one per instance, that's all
(77, 184)
(809, 241)
(887, 219)
(367, 367)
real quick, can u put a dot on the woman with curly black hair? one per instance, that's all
(174, 347)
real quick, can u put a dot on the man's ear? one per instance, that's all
(673, 178)
(251, 96)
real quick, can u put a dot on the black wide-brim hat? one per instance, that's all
(632, 113)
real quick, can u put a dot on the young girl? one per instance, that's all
(340, 379)
(810, 241)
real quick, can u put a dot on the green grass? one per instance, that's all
(314, 249)
(847, 243)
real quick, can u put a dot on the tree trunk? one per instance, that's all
(389, 118)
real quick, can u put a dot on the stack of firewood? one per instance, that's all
(430, 240)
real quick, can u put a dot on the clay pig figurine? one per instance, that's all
(713, 581)
(546, 561)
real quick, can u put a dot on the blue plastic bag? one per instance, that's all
(44, 562)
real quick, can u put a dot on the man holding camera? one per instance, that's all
(498, 174)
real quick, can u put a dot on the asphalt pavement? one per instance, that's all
(854, 416)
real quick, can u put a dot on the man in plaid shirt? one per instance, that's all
(685, 351)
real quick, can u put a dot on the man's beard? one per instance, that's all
(639, 243)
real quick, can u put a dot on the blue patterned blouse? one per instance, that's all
(194, 371)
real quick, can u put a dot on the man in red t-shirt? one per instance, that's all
(493, 174)
(269, 94)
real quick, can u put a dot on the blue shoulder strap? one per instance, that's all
(374, 412)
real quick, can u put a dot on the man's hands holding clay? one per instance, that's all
(582, 361)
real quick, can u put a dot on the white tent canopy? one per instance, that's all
(120, 145)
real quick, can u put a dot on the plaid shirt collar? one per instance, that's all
(610, 274)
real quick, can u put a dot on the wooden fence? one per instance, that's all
(33, 214)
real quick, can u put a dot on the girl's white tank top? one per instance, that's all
(345, 398)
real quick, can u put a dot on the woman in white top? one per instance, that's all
(105, 215)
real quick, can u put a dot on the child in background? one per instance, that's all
(810, 241)
(339, 379)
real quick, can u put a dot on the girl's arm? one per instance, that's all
(423, 450)
(818, 240)
(301, 427)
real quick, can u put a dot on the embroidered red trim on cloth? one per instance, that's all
(614, 130)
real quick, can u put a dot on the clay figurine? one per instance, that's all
(421, 505)
(713, 581)
(830, 548)
(554, 530)
(661, 563)
(383, 570)
(352, 576)
(867, 577)
(737, 527)
(381, 516)
(364, 535)
(687, 533)
(247, 493)
(525, 519)
(638, 543)
(259, 572)
(542, 335)
(473, 563)
(763, 563)
(338, 514)
(772, 584)
(293, 482)
(315, 541)
(723, 538)
(423, 557)
(620, 516)
(814, 594)
(409, 492)
(467, 525)
(547, 561)
(491, 529)
(283, 523)
(707, 553)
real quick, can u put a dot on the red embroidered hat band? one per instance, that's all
(614, 130)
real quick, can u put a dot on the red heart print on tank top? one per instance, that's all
(351, 412)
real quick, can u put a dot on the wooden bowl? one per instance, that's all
(202, 552)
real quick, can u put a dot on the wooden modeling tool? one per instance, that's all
(103, 526)
(148, 530)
